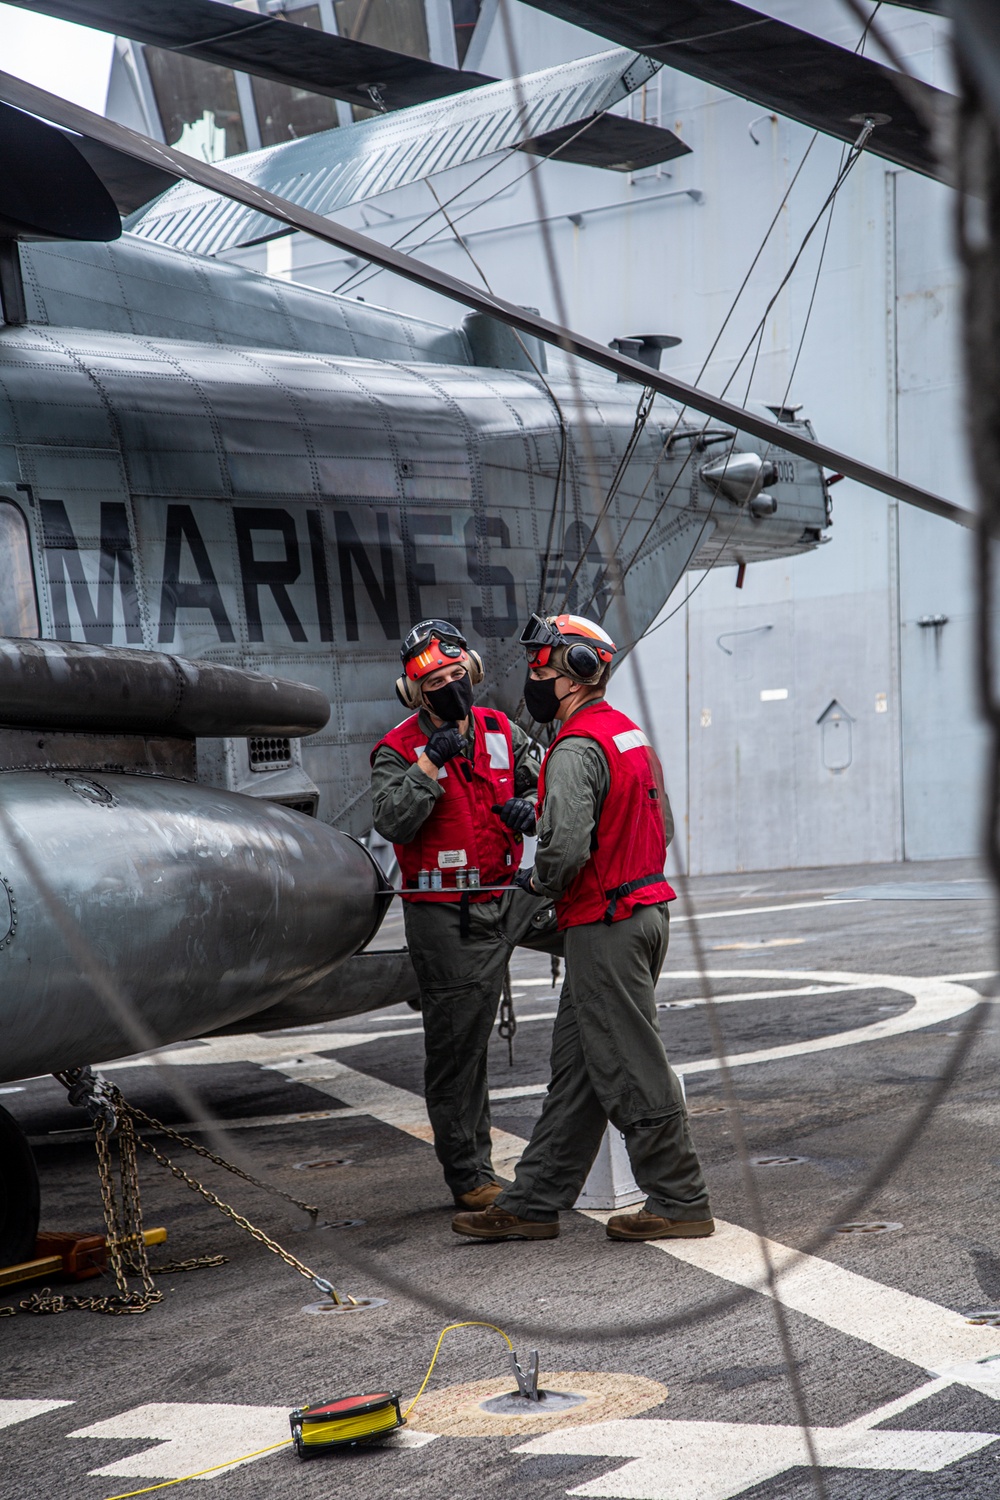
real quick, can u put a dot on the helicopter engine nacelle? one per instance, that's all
(182, 906)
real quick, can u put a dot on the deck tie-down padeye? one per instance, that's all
(515, 1403)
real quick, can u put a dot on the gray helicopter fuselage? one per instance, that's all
(204, 463)
(208, 462)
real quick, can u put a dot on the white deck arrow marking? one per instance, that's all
(717, 1460)
(12, 1412)
(192, 1437)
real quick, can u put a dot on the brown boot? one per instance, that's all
(647, 1226)
(478, 1197)
(496, 1224)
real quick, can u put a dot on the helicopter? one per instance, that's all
(223, 499)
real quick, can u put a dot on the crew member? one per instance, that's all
(448, 789)
(603, 827)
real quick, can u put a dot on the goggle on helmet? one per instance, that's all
(583, 648)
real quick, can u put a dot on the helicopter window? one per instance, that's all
(399, 25)
(285, 114)
(18, 604)
(198, 105)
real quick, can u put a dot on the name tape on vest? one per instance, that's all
(629, 739)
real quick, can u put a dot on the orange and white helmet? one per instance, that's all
(574, 645)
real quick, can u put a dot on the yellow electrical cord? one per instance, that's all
(343, 1429)
(287, 1443)
(437, 1349)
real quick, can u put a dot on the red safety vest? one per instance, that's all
(625, 868)
(461, 829)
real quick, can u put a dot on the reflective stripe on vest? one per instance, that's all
(629, 846)
(461, 829)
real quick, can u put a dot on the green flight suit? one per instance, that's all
(461, 979)
(608, 1060)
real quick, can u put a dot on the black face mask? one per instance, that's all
(541, 699)
(452, 701)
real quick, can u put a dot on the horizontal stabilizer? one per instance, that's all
(611, 141)
(778, 67)
(329, 171)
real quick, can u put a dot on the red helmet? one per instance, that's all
(430, 645)
(427, 647)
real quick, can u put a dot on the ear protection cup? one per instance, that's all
(476, 670)
(408, 693)
(583, 661)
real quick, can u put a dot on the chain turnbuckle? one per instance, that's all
(507, 1025)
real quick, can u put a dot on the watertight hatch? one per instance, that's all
(835, 728)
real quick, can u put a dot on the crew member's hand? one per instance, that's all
(518, 814)
(443, 744)
(523, 880)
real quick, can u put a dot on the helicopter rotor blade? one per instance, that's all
(781, 68)
(73, 117)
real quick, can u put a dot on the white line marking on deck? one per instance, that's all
(934, 1000)
(717, 1460)
(908, 1327)
(191, 1437)
(12, 1412)
(898, 1323)
(758, 911)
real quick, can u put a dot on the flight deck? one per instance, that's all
(841, 995)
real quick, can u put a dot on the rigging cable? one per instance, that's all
(472, 208)
(564, 435)
(798, 354)
(858, 49)
(855, 155)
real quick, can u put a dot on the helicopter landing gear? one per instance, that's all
(19, 1194)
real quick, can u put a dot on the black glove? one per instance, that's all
(443, 744)
(523, 880)
(518, 813)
